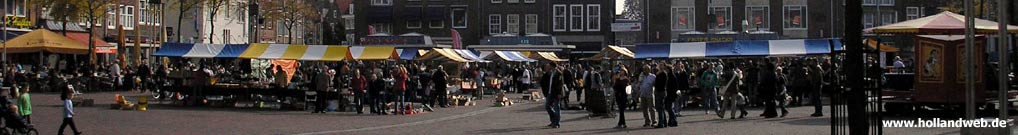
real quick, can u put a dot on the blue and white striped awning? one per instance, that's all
(736, 48)
(201, 50)
(470, 55)
(506, 56)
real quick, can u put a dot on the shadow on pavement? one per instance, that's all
(507, 130)
(812, 121)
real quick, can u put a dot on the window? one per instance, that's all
(869, 2)
(682, 18)
(16, 7)
(512, 23)
(127, 16)
(912, 13)
(758, 17)
(722, 17)
(350, 10)
(494, 24)
(436, 24)
(531, 23)
(888, 18)
(379, 27)
(381, 2)
(795, 17)
(529, 1)
(594, 17)
(496, 1)
(576, 17)
(513, 1)
(111, 16)
(559, 18)
(416, 24)
(459, 18)
(887, 2)
(348, 24)
(868, 20)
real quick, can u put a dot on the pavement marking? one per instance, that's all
(474, 113)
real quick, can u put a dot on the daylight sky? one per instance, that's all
(619, 5)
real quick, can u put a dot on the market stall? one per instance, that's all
(736, 48)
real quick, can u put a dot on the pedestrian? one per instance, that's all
(783, 97)
(440, 80)
(570, 82)
(768, 88)
(681, 80)
(709, 83)
(817, 79)
(553, 86)
(359, 85)
(320, 84)
(733, 99)
(525, 79)
(25, 103)
(660, 92)
(621, 81)
(67, 95)
(581, 83)
(399, 78)
(375, 88)
(646, 95)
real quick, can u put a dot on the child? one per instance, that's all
(25, 103)
(68, 110)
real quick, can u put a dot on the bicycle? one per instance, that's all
(22, 131)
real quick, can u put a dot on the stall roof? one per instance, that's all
(373, 52)
(737, 48)
(45, 40)
(470, 55)
(508, 56)
(612, 52)
(256, 51)
(549, 56)
(443, 54)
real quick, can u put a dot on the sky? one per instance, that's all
(619, 6)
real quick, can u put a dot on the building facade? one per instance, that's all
(584, 23)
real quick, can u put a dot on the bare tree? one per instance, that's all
(93, 11)
(65, 11)
(290, 13)
(213, 7)
(633, 9)
(184, 7)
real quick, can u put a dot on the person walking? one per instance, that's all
(359, 85)
(525, 80)
(620, 82)
(732, 95)
(440, 80)
(680, 79)
(709, 83)
(660, 92)
(25, 103)
(768, 88)
(646, 95)
(782, 91)
(816, 76)
(552, 86)
(66, 96)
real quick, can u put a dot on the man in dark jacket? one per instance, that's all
(767, 89)
(320, 84)
(551, 84)
(375, 88)
(680, 79)
(440, 79)
(661, 90)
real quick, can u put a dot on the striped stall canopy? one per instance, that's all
(409, 53)
(442, 55)
(737, 48)
(470, 55)
(373, 52)
(256, 51)
(550, 56)
(507, 56)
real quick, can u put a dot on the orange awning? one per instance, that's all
(45, 40)
(883, 47)
(83, 39)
